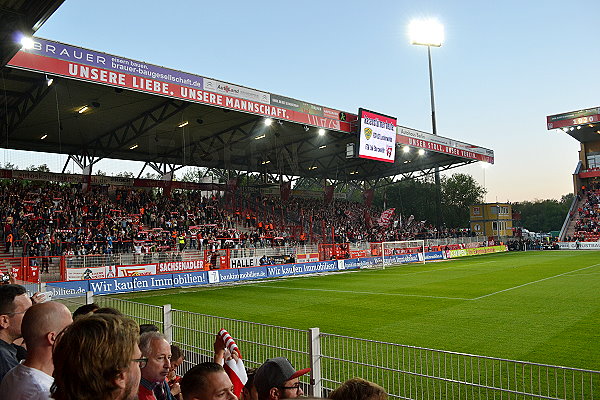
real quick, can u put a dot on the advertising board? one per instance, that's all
(377, 136)
(61, 59)
(573, 118)
(136, 270)
(439, 144)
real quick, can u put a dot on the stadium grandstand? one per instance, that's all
(291, 194)
(260, 146)
(581, 228)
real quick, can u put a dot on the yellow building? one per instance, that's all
(491, 219)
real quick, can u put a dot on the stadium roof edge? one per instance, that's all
(145, 123)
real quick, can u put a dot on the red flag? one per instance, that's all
(286, 189)
(328, 193)
(234, 366)
(386, 216)
(368, 197)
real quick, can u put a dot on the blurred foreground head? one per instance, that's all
(97, 358)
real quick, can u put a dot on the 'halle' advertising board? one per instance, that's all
(377, 136)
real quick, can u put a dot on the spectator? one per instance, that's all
(14, 302)
(277, 379)
(32, 378)
(108, 361)
(358, 389)
(148, 328)
(207, 381)
(153, 385)
(173, 379)
(85, 310)
(249, 391)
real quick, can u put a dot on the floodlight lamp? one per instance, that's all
(305, 128)
(321, 131)
(406, 149)
(135, 146)
(572, 129)
(44, 136)
(426, 32)
(49, 81)
(322, 147)
(268, 121)
(421, 152)
(83, 109)
(27, 42)
(260, 137)
(182, 124)
(579, 127)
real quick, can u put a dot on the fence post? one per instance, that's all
(168, 322)
(316, 387)
(89, 297)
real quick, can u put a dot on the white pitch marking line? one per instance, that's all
(369, 293)
(441, 269)
(532, 282)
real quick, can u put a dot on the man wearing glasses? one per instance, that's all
(278, 379)
(98, 358)
(13, 304)
(153, 385)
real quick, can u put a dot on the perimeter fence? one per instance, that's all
(406, 372)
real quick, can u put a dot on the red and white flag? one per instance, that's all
(386, 217)
(234, 366)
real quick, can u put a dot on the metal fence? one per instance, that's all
(406, 372)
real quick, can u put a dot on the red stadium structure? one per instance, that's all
(582, 224)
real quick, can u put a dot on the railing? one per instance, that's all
(406, 372)
(565, 225)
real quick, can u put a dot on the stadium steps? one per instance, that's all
(571, 227)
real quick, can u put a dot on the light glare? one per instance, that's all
(426, 32)
(268, 121)
(27, 42)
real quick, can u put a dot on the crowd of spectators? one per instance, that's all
(587, 224)
(100, 354)
(42, 219)
(46, 219)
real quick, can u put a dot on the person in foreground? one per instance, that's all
(278, 379)
(154, 385)
(97, 358)
(31, 380)
(207, 381)
(358, 389)
(14, 302)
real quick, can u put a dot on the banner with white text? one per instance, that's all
(377, 136)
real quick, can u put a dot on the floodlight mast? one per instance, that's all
(429, 32)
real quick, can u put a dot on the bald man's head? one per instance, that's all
(42, 319)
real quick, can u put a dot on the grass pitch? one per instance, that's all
(536, 306)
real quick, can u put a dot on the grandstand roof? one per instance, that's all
(21, 16)
(136, 111)
(582, 125)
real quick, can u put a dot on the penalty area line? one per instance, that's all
(532, 282)
(367, 293)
